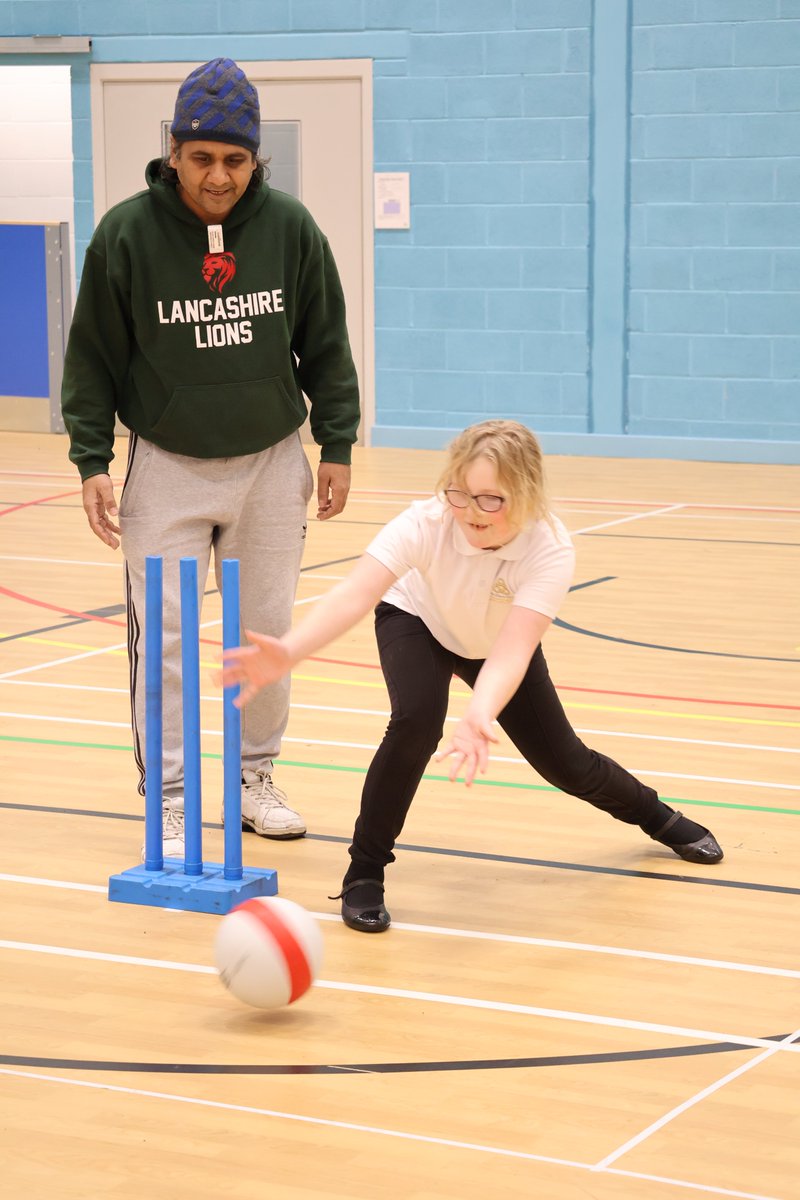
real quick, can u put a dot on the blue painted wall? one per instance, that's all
(605, 234)
(714, 310)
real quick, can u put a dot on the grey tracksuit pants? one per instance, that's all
(252, 508)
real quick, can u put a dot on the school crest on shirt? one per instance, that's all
(219, 269)
(501, 591)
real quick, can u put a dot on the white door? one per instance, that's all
(317, 125)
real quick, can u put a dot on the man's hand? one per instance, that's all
(333, 485)
(99, 505)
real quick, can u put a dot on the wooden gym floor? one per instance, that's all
(562, 1008)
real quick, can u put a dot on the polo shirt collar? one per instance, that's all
(512, 550)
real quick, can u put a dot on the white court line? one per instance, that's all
(56, 883)
(71, 562)
(687, 1104)
(684, 515)
(384, 715)
(115, 565)
(653, 737)
(365, 989)
(756, 783)
(76, 687)
(695, 1187)
(424, 494)
(59, 662)
(22, 475)
(778, 508)
(373, 1130)
(657, 512)
(511, 939)
(510, 760)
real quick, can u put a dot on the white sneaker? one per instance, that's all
(172, 828)
(264, 808)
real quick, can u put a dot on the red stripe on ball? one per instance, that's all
(293, 952)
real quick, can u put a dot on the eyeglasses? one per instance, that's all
(485, 503)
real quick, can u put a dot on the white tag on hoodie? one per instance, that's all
(215, 241)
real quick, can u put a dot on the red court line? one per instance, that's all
(342, 662)
(374, 666)
(44, 500)
(59, 608)
(38, 474)
(566, 687)
(696, 504)
(399, 492)
(71, 612)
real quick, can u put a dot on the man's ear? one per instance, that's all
(174, 151)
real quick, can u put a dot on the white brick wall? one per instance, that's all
(36, 145)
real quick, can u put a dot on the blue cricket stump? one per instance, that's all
(189, 883)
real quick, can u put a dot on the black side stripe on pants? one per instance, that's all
(134, 633)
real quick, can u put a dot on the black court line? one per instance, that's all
(447, 852)
(118, 610)
(577, 587)
(111, 610)
(655, 537)
(334, 562)
(45, 504)
(14, 637)
(607, 637)
(390, 1068)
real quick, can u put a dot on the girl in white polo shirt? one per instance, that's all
(466, 584)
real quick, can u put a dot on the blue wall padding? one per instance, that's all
(24, 368)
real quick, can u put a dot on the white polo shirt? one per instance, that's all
(463, 594)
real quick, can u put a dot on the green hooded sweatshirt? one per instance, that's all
(207, 353)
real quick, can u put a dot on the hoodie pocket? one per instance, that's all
(224, 420)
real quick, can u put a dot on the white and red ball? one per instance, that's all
(268, 951)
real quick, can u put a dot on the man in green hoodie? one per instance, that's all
(209, 304)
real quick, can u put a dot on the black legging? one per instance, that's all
(418, 670)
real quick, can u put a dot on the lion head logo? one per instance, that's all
(218, 270)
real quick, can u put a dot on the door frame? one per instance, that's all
(359, 69)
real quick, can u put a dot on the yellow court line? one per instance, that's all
(68, 645)
(616, 708)
(379, 685)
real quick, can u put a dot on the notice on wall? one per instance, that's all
(392, 200)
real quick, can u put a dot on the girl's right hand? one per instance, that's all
(253, 667)
(468, 748)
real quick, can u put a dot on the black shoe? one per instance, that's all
(705, 850)
(368, 918)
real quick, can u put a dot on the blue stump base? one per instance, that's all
(171, 887)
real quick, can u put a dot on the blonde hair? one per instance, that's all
(516, 456)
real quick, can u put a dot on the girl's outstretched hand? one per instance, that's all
(468, 748)
(253, 667)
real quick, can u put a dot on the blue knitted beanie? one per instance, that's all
(218, 103)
